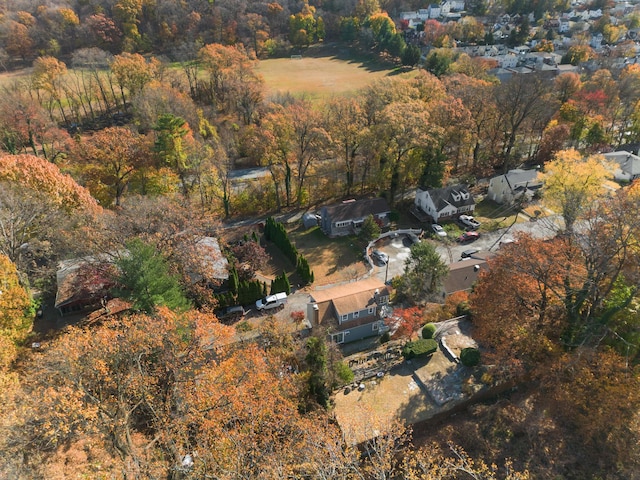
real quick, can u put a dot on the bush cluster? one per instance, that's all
(419, 348)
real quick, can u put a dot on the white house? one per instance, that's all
(434, 11)
(443, 203)
(456, 5)
(628, 165)
(507, 61)
(513, 185)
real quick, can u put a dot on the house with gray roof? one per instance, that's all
(346, 218)
(513, 186)
(351, 311)
(628, 165)
(444, 203)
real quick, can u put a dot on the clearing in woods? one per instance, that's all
(319, 77)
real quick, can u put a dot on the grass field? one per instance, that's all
(319, 77)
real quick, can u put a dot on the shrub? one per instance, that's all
(385, 337)
(429, 330)
(343, 373)
(470, 357)
(463, 308)
(419, 348)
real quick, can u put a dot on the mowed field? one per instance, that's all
(317, 77)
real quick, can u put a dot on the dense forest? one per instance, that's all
(122, 132)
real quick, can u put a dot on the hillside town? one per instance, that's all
(370, 239)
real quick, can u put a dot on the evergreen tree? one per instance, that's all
(145, 280)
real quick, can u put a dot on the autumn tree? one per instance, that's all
(407, 321)
(48, 74)
(475, 95)
(522, 103)
(401, 129)
(345, 123)
(571, 291)
(108, 160)
(232, 84)
(16, 312)
(132, 72)
(173, 137)
(572, 183)
(39, 205)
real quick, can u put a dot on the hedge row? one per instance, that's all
(241, 292)
(275, 232)
(419, 348)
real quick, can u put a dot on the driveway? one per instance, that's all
(398, 250)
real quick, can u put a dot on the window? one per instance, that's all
(338, 337)
(356, 314)
(375, 327)
(382, 299)
(343, 224)
(344, 318)
(372, 310)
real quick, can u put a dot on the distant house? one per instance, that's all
(628, 165)
(463, 274)
(434, 10)
(347, 217)
(513, 185)
(350, 312)
(444, 203)
(83, 284)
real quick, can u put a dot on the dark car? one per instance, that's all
(380, 257)
(467, 237)
(230, 314)
(468, 253)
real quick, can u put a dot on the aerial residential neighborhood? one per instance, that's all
(379, 239)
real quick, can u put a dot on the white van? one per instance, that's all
(272, 301)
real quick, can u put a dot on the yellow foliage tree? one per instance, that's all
(572, 183)
(16, 314)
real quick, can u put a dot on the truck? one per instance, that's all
(468, 221)
(272, 301)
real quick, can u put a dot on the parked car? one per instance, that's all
(230, 314)
(506, 241)
(410, 239)
(468, 221)
(272, 301)
(380, 257)
(469, 253)
(438, 230)
(467, 237)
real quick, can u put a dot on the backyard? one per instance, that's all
(332, 260)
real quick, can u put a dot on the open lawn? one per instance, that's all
(333, 260)
(318, 77)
